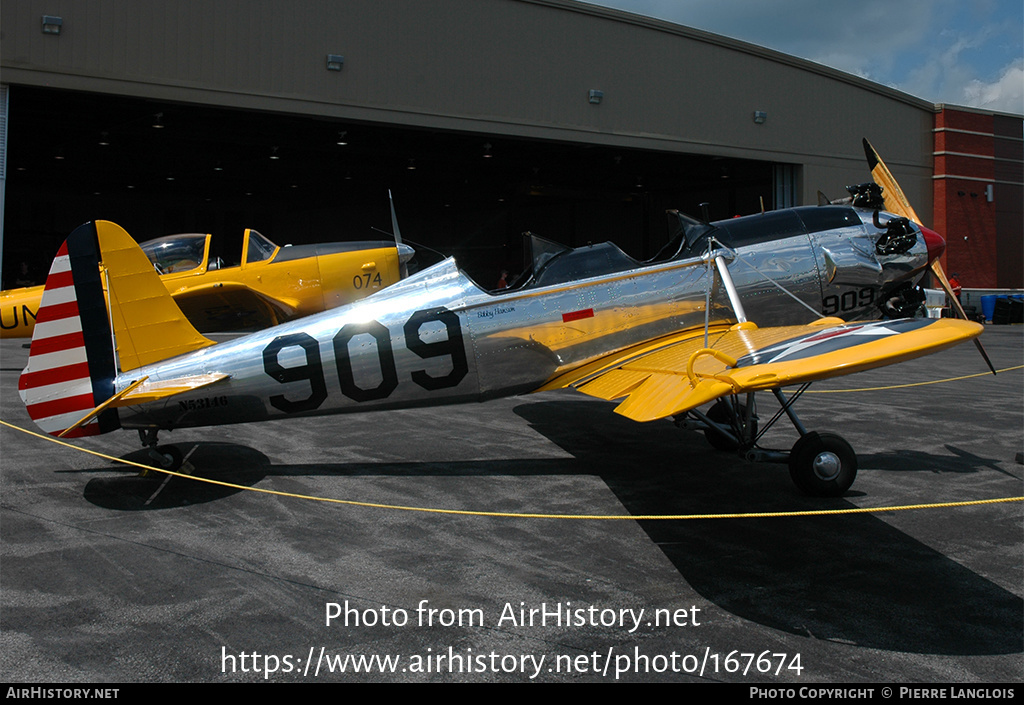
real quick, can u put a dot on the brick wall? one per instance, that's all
(978, 203)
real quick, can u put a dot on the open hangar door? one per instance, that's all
(158, 168)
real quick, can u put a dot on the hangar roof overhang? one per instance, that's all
(518, 69)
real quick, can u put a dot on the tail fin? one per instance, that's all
(148, 325)
(74, 358)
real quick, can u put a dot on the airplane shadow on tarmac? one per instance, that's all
(851, 579)
(221, 462)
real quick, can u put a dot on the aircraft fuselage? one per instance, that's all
(437, 338)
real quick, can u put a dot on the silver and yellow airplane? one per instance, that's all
(665, 336)
(271, 285)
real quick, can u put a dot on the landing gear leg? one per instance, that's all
(735, 415)
(164, 457)
(820, 464)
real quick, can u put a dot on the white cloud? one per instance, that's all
(1005, 94)
(944, 51)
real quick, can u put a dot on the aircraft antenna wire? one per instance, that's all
(781, 288)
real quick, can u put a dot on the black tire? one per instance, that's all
(171, 459)
(721, 413)
(822, 465)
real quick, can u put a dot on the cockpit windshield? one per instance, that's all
(176, 253)
(549, 263)
(688, 237)
(260, 248)
(537, 251)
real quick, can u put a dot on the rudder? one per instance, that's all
(71, 366)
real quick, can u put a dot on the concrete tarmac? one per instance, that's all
(106, 576)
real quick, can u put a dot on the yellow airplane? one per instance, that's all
(272, 284)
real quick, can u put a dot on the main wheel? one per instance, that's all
(722, 413)
(822, 465)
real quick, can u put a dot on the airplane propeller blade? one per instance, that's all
(394, 219)
(896, 202)
(944, 282)
(894, 198)
(403, 268)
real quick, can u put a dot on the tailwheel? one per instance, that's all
(167, 458)
(822, 464)
(732, 416)
(163, 457)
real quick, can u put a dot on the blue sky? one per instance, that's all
(961, 52)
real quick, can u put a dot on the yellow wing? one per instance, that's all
(683, 374)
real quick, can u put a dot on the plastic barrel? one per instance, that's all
(988, 306)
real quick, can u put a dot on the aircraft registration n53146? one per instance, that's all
(666, 336)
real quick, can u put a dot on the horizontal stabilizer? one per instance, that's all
(142, 391)
(152, 391)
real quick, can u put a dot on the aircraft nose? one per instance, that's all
(405, 253)
(935, 243)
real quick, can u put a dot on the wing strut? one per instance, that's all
(727, 282)
(730, 289)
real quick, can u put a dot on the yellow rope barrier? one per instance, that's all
(909, 384)
(520, 515)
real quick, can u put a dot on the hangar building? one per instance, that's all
(485, 118)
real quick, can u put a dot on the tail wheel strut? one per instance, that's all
(163, 457)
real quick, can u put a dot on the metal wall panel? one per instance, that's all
(513, 67)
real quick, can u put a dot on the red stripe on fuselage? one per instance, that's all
(577, 315)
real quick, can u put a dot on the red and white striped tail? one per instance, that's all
(71, 367)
